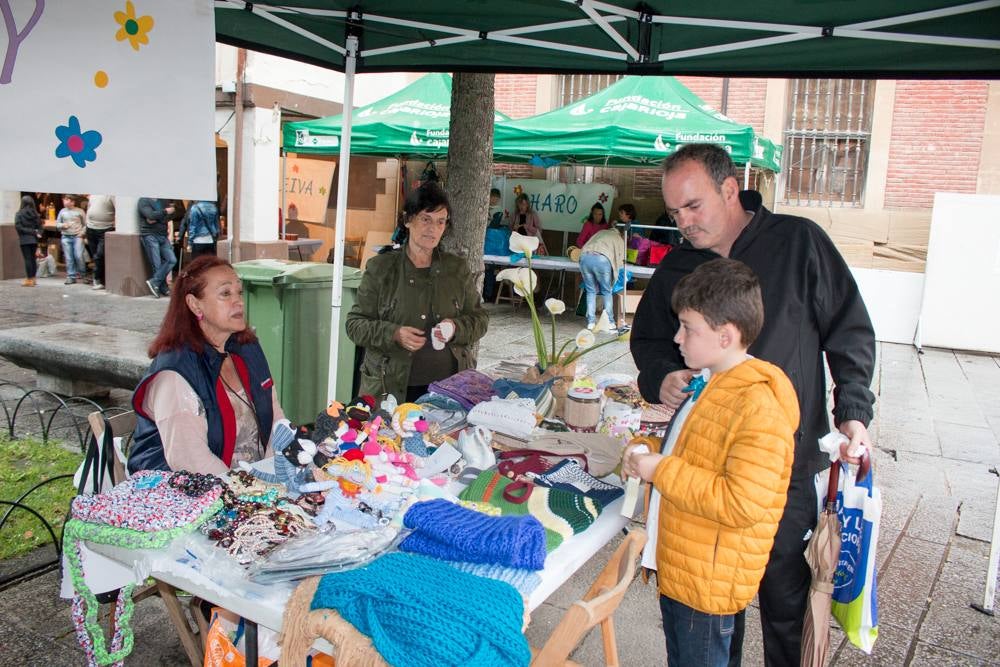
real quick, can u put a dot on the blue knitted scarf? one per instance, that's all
(420, 612)
(447, 531)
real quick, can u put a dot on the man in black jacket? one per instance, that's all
(811, 306)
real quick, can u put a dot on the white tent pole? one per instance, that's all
(284, 213)
(343, 167)
(746, 176)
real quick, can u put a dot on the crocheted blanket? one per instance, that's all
(421, 612)
(444, 530)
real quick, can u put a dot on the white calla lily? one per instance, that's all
(522, 278)
(584, 339)
(555, 306)
(522, 243)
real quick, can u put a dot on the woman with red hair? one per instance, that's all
(208, 400)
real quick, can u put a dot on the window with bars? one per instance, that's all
(827, 137)
(573, 87)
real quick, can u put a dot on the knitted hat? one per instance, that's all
(562, 513)
(448, 531)
(421, 612)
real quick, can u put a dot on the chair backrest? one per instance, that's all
(122, 425)
(597, 606)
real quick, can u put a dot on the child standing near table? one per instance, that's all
(724, 474)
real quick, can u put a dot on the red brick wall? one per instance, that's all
(937, 132)
(515, 94)
(647, 183)
(745, 101)
(513, 170)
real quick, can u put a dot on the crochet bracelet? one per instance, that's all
(85, 605)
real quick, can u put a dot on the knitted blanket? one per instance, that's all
(444, 530)
(562, 513)
(421, 612)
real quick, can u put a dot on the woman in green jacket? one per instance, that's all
(417, 311)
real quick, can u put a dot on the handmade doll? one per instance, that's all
(409, 424)
(292, 458)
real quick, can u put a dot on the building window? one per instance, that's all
(827, 137)
(573, 87)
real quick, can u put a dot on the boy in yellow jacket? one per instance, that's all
(725, 471)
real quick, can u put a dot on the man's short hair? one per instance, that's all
(713, 157)
(723, 291)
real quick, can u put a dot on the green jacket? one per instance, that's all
(387, 300)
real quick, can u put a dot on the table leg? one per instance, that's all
(251, 642)
(194, 650)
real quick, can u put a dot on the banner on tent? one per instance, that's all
(307, 189)
(560, 206)
(109, 96)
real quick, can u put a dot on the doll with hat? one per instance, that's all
(410, 425)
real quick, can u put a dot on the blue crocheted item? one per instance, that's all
(447, 531)
(525, 581)
(421, 612)
(695, 386)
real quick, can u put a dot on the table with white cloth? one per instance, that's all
(264, 605)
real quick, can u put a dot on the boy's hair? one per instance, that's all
(494, 192)
(628, 210)
(723, 291)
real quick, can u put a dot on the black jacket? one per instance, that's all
(28, 225)
(811, 306)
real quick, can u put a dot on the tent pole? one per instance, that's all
(746, 176)
(343, 167)
(284, 216)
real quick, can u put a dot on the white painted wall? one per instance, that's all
(261, 175)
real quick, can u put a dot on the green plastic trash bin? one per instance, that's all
(288, 304)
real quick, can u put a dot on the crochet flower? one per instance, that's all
(73, 143)
(132, 28)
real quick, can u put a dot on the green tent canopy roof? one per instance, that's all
(634, 122)
(870, 39)
(412, 122)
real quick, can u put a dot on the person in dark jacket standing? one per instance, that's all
(29, 229)
(812, 307)
(154, 214)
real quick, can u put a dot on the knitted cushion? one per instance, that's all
(421, 612)
(448, 531)
(563, 514)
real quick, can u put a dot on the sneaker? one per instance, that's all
(97, 286)
(70, 281)
(152, 289)
(166, 291)
(591, 325)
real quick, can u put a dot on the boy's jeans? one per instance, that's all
(694, 638)
(598, 276)
(161, 259)
(72, 247)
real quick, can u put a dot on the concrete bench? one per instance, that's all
(75, 359)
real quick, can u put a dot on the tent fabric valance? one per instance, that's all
(413, 122)
(874, 39)
(634, 122)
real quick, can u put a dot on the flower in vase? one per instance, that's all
(555, 306)
(523, 279)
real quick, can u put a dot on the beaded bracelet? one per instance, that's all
(193, 484)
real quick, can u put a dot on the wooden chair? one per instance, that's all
(595, 608)
(122, 426)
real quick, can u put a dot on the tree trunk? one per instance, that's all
(470, 167)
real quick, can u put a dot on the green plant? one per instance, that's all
(524, 280)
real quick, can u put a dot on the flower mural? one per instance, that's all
(76, 144)
(134, 29)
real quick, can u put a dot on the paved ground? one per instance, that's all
(937, 428)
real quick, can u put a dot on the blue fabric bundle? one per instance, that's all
(525, 581)
(424, 613)
(444, 530)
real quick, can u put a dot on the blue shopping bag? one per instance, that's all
(855, 604)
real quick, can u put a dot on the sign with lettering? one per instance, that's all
(111, 96)
(560, 206)
(307, 188)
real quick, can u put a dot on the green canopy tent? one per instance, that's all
(413, 122)
(634, 122)
(878, 38)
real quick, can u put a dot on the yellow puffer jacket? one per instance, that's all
(724, 488)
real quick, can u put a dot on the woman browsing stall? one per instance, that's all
(208, 400)
(417, 311)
